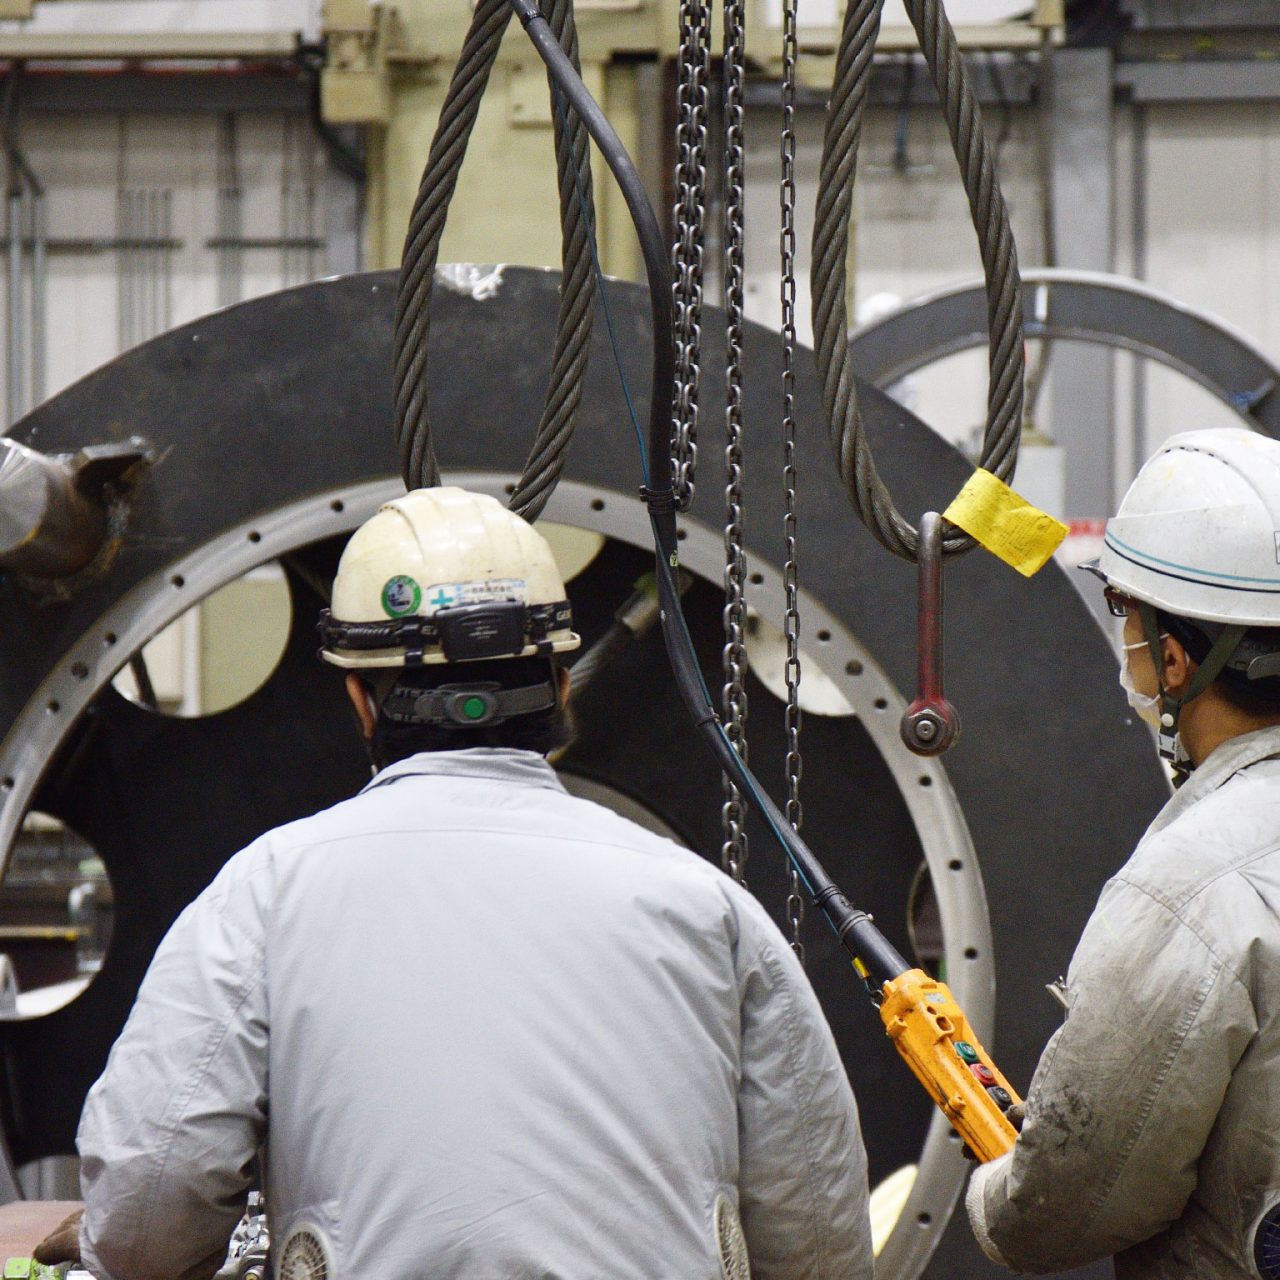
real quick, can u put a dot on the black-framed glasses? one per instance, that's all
(1121, 605)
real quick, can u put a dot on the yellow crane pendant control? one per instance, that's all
(931, 1032)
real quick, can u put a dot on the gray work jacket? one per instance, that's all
(1153, 1120)
(504, 1033)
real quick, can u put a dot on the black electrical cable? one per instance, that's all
(876, 956)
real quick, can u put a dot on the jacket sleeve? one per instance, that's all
(803, 1169)
(1125, 1095)
(169, 1133)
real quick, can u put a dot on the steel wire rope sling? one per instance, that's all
(920, 1014)
(421, 250)
(931, 723)
(829, 274)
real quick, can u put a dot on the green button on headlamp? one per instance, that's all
(475, 708)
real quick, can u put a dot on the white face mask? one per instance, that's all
(1147, 705)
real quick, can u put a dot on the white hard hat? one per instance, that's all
(444, 575)
(1198, 533)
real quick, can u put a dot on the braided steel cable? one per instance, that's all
(870, 495)
(421, 250)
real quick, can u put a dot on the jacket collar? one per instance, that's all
(1223, 764)
(493, 764)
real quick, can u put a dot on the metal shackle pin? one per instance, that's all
(930, 724)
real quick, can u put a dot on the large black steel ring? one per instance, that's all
(271, 423)
(1086, 306)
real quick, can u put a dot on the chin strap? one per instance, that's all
(1170, 705)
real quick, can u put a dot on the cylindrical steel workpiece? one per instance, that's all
(47, 527)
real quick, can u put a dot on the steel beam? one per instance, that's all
(163, 46)
(142, 93)
(1217, 81)
(1081, 382)
(343, 218)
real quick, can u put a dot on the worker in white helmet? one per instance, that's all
(1152, 1127)
(482, 1028)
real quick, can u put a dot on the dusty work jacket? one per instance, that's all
(1153, 1120)
(503, 1033)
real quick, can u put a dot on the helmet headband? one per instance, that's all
(465, 633)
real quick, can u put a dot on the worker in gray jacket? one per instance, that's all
(1152, 1127)
(482, 1028)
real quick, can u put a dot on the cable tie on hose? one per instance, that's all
(821, 898)
(659, 501)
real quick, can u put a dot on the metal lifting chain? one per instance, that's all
(870, 496)
(422, 244)
(734, 850)
(693, 72)
(791, 570)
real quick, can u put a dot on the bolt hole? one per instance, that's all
(682, 534)
(756, 579)
(7, 784)
(925, 780)
(254, 536)
(597, 504)
(881, 704)
(178, 581)
(108, 640)
(924, 1219)
(79, 670)
(54, 706)
(853, 668)
(508, 489)
(955, 864)
(824, 635)
(954, 1136)
(337, 505)
(971, 953)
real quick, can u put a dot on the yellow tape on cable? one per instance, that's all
(1007, 525)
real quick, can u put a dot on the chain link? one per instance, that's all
(734, 850)
(693, 71)
(791, 571)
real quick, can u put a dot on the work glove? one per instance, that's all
(62, 1244)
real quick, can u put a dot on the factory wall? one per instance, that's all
(1212, 236)
(136, 208)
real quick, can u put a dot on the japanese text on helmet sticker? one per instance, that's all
(449, 595)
